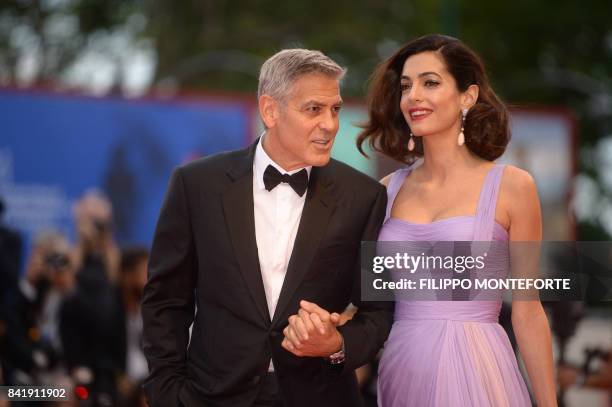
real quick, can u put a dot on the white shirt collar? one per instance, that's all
(262, 160)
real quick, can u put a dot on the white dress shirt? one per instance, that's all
(277, 217)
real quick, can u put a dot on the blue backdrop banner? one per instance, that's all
(55, 147)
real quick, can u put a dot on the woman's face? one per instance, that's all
(430, 100)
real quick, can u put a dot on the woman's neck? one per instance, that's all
(442, 157)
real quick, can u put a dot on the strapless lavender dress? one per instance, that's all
(449, 353)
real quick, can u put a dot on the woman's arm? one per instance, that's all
(533, 336)
(528, 317)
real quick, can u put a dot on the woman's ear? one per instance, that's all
(268, 110)
(469, 97)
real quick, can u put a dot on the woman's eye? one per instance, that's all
(404, 87)
(431, 84)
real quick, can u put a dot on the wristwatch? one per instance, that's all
(338, 357)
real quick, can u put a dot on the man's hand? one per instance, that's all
(312, 332)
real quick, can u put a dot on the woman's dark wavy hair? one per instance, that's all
(486, 126)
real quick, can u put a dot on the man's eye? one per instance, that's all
(313, 109)
(337, 109)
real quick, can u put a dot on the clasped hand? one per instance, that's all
(313, 332)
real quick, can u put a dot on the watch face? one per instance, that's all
(337, 358)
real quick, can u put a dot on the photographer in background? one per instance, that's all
(33, 346)
(132, 279)
(96, 247)
(92, 320)
(598, 378)
(11, 246)
(10, 263)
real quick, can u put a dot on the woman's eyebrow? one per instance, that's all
(421, 75)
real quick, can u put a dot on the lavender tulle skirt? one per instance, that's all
(449, 354)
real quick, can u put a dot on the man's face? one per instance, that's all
(302, 129)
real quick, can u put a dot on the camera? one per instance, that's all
(57, 261)
(101, 226)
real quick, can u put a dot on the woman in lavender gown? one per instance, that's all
(431, 106)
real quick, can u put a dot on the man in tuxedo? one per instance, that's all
(247, 238)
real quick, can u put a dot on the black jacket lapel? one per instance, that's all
(239, 214)
(318, 207)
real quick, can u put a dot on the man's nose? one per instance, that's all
(329, 121)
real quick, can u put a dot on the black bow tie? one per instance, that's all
(298, 181)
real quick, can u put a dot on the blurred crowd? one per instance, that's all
(71, 318)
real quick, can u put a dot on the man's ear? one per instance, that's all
(469, 97)
(268, 110)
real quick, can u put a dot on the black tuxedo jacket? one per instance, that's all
(204, 269)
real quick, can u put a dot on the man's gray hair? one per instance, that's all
(282, 69)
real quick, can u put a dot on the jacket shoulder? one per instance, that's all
(350, 182)
(351, 178)
(214, 169)
(219, 162)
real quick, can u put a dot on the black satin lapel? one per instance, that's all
(240, 218)
(313, 223)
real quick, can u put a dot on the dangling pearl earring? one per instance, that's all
(411, 142)
(461, 138)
